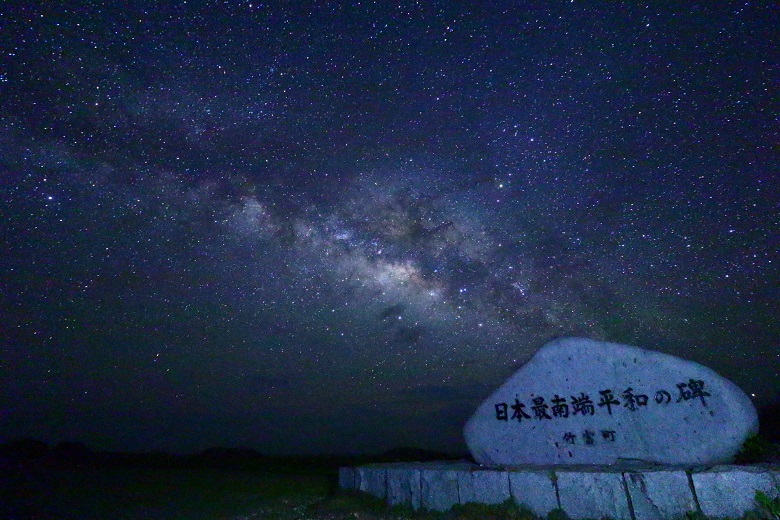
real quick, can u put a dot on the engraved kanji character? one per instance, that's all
(588, 436)
(519, 413)
(696, 386)
(608, 435)
(540, 409)
(569, 437)
(632, 400)
(607, 399)
(582, 405)
(502, 412)
(695, 389)
(560, 408)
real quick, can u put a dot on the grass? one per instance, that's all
(352, 505)
(282, 492)
(171, 493)
(88, 492)
(770, 507)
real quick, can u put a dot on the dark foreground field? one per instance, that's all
(198, 493)
(39, 483)
(88, 492)
(137, 493)
(226, 485)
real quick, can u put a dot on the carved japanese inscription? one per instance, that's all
(628, 403)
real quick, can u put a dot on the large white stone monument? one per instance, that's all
(580, 401)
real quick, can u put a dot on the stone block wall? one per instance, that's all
(588, 492)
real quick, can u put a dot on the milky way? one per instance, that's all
(330, 228)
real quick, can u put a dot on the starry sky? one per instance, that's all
(329, 227)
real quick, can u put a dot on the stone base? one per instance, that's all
(728, 491)
(651, 493)
(593, 494)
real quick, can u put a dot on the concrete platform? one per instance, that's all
(628, 493)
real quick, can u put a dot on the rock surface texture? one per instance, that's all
(729, 491)
(585, 494)
(580, 401)
(484, 487)
(659, 494)
(649, 493)
(403, 485)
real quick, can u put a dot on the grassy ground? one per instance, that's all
(87, 492)
(36, 490)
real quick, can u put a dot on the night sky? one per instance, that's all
(337, 227)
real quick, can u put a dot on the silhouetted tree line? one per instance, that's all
(67, 453)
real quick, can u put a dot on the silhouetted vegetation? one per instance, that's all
(69, 480)
(239, 458)
(509, 510)
(24, 448)
(757, 449)
(769, 418)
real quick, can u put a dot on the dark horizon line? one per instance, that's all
(33, 447)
